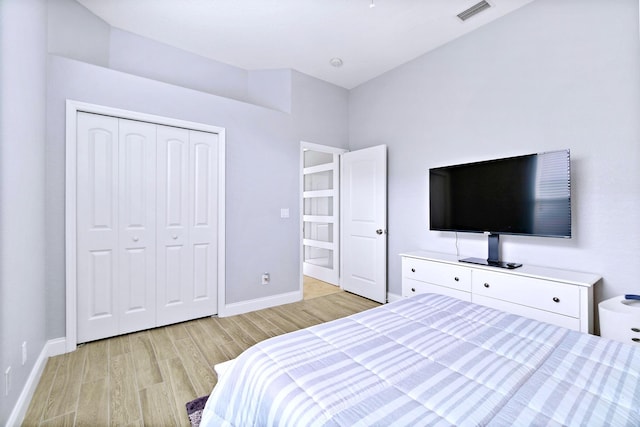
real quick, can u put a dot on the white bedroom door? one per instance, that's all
(364, 222)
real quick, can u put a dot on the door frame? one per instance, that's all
(72, 109)
(304, 145)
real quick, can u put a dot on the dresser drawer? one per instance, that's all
(412, 287)
(437, 273)
(568, 322)
(541, 294)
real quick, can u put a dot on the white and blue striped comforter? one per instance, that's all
(430, 360)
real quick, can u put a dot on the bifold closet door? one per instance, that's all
(187, 224)
(147, 225)
(137, 226)
(115, 226)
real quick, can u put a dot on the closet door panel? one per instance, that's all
(201, 270)
(175, 263)
(203, 213)
(173, 275)
(97, 226)
(137, 219)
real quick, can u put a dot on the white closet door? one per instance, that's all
(187, 224)
(97, 228)
(203, 217)
(147, 225)
(174, 270)
(137, 225)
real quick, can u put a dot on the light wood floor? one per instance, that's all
(146, 378)
(314, 288)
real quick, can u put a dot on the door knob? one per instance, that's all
(135, 238)
(379, 231)
(174, 237)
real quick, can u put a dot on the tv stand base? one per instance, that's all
(491, 263)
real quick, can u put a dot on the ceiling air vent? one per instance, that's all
(474, 10)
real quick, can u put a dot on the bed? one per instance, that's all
(430, 360)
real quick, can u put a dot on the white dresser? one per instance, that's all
(561, 297)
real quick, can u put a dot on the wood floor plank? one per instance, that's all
(180, 386)
(264, 324)
(212, 353)
(297, 319)
(163, 344)
(157, 408)
(221, 338)
(177, 331)
(93, 404)
(96, 366)
(65, 389)
(65, 420)
(242, 338)
(41, 395)
(119, 345)
(124, 408)
(250, 328)
(144, 357)
(200, 372)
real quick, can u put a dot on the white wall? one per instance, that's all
(73, 31)
(23, 44)
(141, 56)
(320, 111)
(552, 75)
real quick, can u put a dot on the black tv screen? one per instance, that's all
(527, 195)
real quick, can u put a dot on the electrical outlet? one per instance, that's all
(265, 278)
(24, 353)
(7, 381)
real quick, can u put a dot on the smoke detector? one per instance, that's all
(336, 62)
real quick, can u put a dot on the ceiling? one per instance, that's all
(303, 35)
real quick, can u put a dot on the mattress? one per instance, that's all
(430, 360)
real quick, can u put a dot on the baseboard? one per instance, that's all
(393, 297)
(51, 348)
(259, 303)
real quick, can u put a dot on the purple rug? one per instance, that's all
(194, 410)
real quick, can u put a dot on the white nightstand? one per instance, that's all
(620, 320)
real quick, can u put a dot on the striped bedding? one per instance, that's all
(430, 360)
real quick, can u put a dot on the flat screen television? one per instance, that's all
(525, 195)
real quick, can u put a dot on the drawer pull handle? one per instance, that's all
(635, 329)
(556, 299)
(413, 270)
(457, 279)
(635, 339)
(486, 285)
(413, 289)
